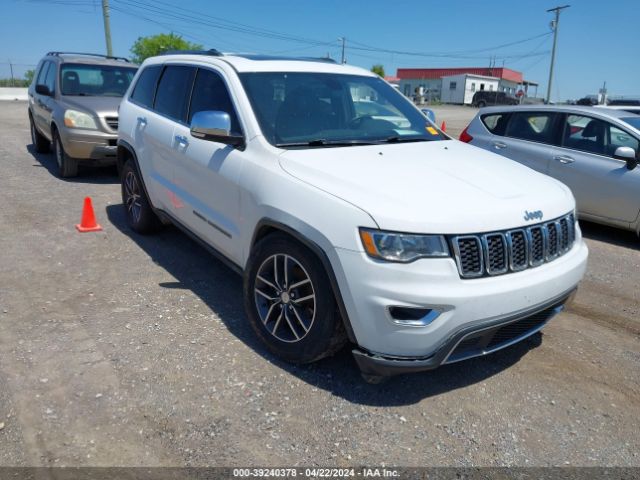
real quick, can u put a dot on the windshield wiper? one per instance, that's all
(321, 142)
(399, 139)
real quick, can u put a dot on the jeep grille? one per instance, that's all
(496, 253)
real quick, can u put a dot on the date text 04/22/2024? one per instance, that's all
(315, 472)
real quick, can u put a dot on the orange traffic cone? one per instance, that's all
(443, 127)
(88, 222)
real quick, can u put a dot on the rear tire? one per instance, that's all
(482, 104)
(67, 166)
(39, 141)
(140, 215)
(289, 301)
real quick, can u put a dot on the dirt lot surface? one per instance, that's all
(118, 349)
(456, 117)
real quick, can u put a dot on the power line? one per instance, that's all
(203, 19)
(172, 28)
(183, 15)
(534, 50)
(158, 9)
(444, 55)
(530, 66)
(459, 52)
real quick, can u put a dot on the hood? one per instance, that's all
(431, 187)
(99, 106)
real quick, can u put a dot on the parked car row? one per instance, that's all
(349, 214)
(593, 150)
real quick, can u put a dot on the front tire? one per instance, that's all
(39, 141)
(67, 166)
(482, 104)
(289, 301)
(140, 215)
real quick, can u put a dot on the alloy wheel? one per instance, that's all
(132, 196)
(285, 298)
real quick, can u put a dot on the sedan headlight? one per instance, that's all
(76, 119)
(402, 247)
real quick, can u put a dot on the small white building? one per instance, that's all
(461, 88)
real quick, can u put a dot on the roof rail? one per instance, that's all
(211, 52)
(317, 59)
(110, 57)
(259, 57)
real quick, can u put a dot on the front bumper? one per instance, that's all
(469, 342)
(94, 145)
(371, 287)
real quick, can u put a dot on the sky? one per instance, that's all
(597, 41)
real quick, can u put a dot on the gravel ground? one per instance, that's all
(120, 350)
(456, 117)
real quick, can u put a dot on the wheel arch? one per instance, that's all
(53, 127)
(125, 152)
(267, 226)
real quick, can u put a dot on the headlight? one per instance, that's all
(402, 247)
(76, 119)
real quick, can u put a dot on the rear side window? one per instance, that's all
(174, 89)
(50, 78)
(210, 93)
(496, 123)
(533, 126)
(145, 87)
(42, 73)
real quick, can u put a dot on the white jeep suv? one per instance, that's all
(419, 249)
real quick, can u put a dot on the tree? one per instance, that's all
(13, 82)
(378, 70)
(28, 76)
(145, 47)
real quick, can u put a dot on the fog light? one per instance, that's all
(413, 316)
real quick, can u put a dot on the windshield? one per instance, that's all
(95, 80)
(326, 109)
(633, 121)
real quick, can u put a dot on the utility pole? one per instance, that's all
(602, 98)
(13, 83)
(107, 26)
(344, 60)
(555, 41)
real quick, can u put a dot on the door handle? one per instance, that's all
(142, 121)
(564, 159)
(181, 140)
(499, 145)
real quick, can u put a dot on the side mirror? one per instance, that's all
(628, 155)
(430, 114)
(214, 126)
(42, 89)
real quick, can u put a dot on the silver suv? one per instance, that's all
(73, 104)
